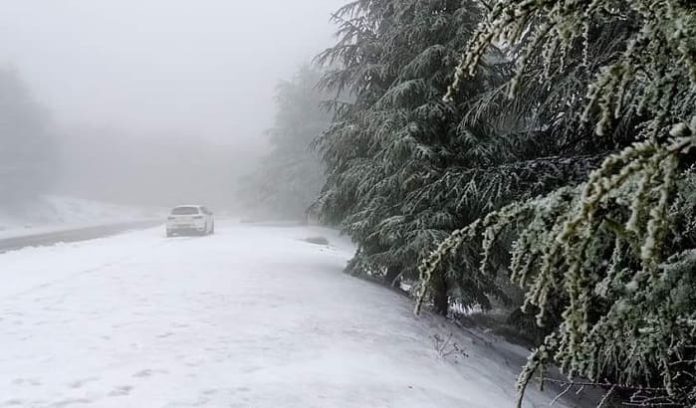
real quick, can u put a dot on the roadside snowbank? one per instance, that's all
(57, 213)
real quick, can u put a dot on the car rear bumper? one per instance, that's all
(172, 229)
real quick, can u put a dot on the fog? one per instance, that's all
(158, 101)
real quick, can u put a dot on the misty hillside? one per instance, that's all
(48, 213)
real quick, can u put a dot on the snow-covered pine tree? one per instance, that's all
(613, 258)
(405, 167)
(396, 58)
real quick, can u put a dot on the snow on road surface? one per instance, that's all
(250, 317)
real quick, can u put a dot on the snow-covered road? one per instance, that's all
(251, 317)
(13, 240)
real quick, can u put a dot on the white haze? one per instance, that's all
(143, 75)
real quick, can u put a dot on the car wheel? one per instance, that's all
(169, 234)
(212, 228)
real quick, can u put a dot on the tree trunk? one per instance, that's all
(440, 296)
(392, 275)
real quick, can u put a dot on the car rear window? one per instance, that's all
(185, 211)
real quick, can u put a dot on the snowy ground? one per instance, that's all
(251, 317)
(57, 213)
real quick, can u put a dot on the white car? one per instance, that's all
(190, 219)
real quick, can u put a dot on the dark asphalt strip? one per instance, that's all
(73, 235)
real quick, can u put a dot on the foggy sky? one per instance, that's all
(199, 69)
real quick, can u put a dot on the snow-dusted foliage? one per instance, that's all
(396, 138)
(608, 265)
(291, 175)
(405, 167)
(395, 58)
(555, 153)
